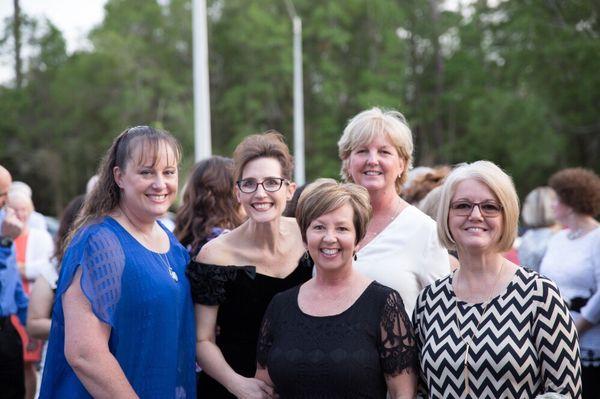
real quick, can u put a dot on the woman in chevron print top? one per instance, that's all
(491, 329)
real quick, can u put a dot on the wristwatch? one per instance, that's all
(6, 241)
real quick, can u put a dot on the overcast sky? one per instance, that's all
(73, 17)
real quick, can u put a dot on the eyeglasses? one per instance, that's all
(270, 184)
(465, 208)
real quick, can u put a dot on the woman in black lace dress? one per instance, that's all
(235, 276)
(340, 334)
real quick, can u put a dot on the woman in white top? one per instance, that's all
(400, 249)
(538, 216)
(572, 260)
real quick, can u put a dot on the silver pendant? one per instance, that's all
(173, 275)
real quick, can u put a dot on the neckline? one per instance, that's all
(348, 309)
(382, 232)
(299, 265)
(492, 299)
(114, 221)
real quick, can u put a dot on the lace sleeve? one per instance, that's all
(102, 264)
(265, 337)
(397, 350)
(208, 282)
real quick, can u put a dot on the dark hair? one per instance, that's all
(290, 207)
(66, 222)
(106, 195)
(579, 189)
(266, 145)
(208, 201)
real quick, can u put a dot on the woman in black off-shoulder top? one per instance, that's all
(341, 334)
(235, 276)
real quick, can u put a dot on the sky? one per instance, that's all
(73, 17)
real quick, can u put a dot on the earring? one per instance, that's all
(354, 255)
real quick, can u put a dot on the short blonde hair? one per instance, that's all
(365, 126)
(327, 195)
(537, 208)
(499, 183)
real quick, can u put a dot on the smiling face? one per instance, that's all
(376, 165)
(263, 206)
(148, 186)
(331, 238)
(474, 232)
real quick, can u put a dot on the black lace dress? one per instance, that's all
(339, 356)
(242, 296)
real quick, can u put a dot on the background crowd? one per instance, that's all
(398, 281)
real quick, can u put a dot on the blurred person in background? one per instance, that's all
(34, 249)
(400, 248)
(209, 207)
(572, 259)
(340, 334)
(123, 322)
(36, 219)
(538, 217)
(41, 297)
(491, 329)
(423, 183)
(429, 206)
(235, 276)
(13, 300)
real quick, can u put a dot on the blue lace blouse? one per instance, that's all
(150, 313)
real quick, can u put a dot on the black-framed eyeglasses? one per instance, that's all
(270, 184)
(465, 208)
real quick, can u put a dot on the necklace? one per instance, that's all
(575, 234)
(470, 340)
(370, 235)
(164, 260)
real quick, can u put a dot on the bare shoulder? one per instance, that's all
(217, 251)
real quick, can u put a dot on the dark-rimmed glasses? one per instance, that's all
(270, 184)
(486, 208)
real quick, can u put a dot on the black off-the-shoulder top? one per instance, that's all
(243, 296)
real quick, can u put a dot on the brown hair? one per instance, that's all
(66, 222)
(106, 195)
(208, 201)
(266, 145)
(327, 195)
(579, 189)
(423, 184)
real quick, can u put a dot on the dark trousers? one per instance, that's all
(590, 378)
(12, 377)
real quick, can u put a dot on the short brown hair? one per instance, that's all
(327, 195)
(499, 183)
(269, 144)
(579, 189)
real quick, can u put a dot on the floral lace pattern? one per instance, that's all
(208, 281)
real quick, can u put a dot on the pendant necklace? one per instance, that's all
(165, 260)
(469, 341)
(163, 257)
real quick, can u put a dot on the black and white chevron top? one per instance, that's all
(526, 343)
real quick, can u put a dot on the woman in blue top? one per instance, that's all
(123, 321)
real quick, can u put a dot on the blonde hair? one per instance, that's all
(327, 195)
(499, 183)
(537, 207)
(365, 126)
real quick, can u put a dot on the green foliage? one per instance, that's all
(516, 83)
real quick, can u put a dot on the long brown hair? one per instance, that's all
(208, 201)
(106, 195)
(66, 222)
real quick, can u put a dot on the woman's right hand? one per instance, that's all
(252, 388)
